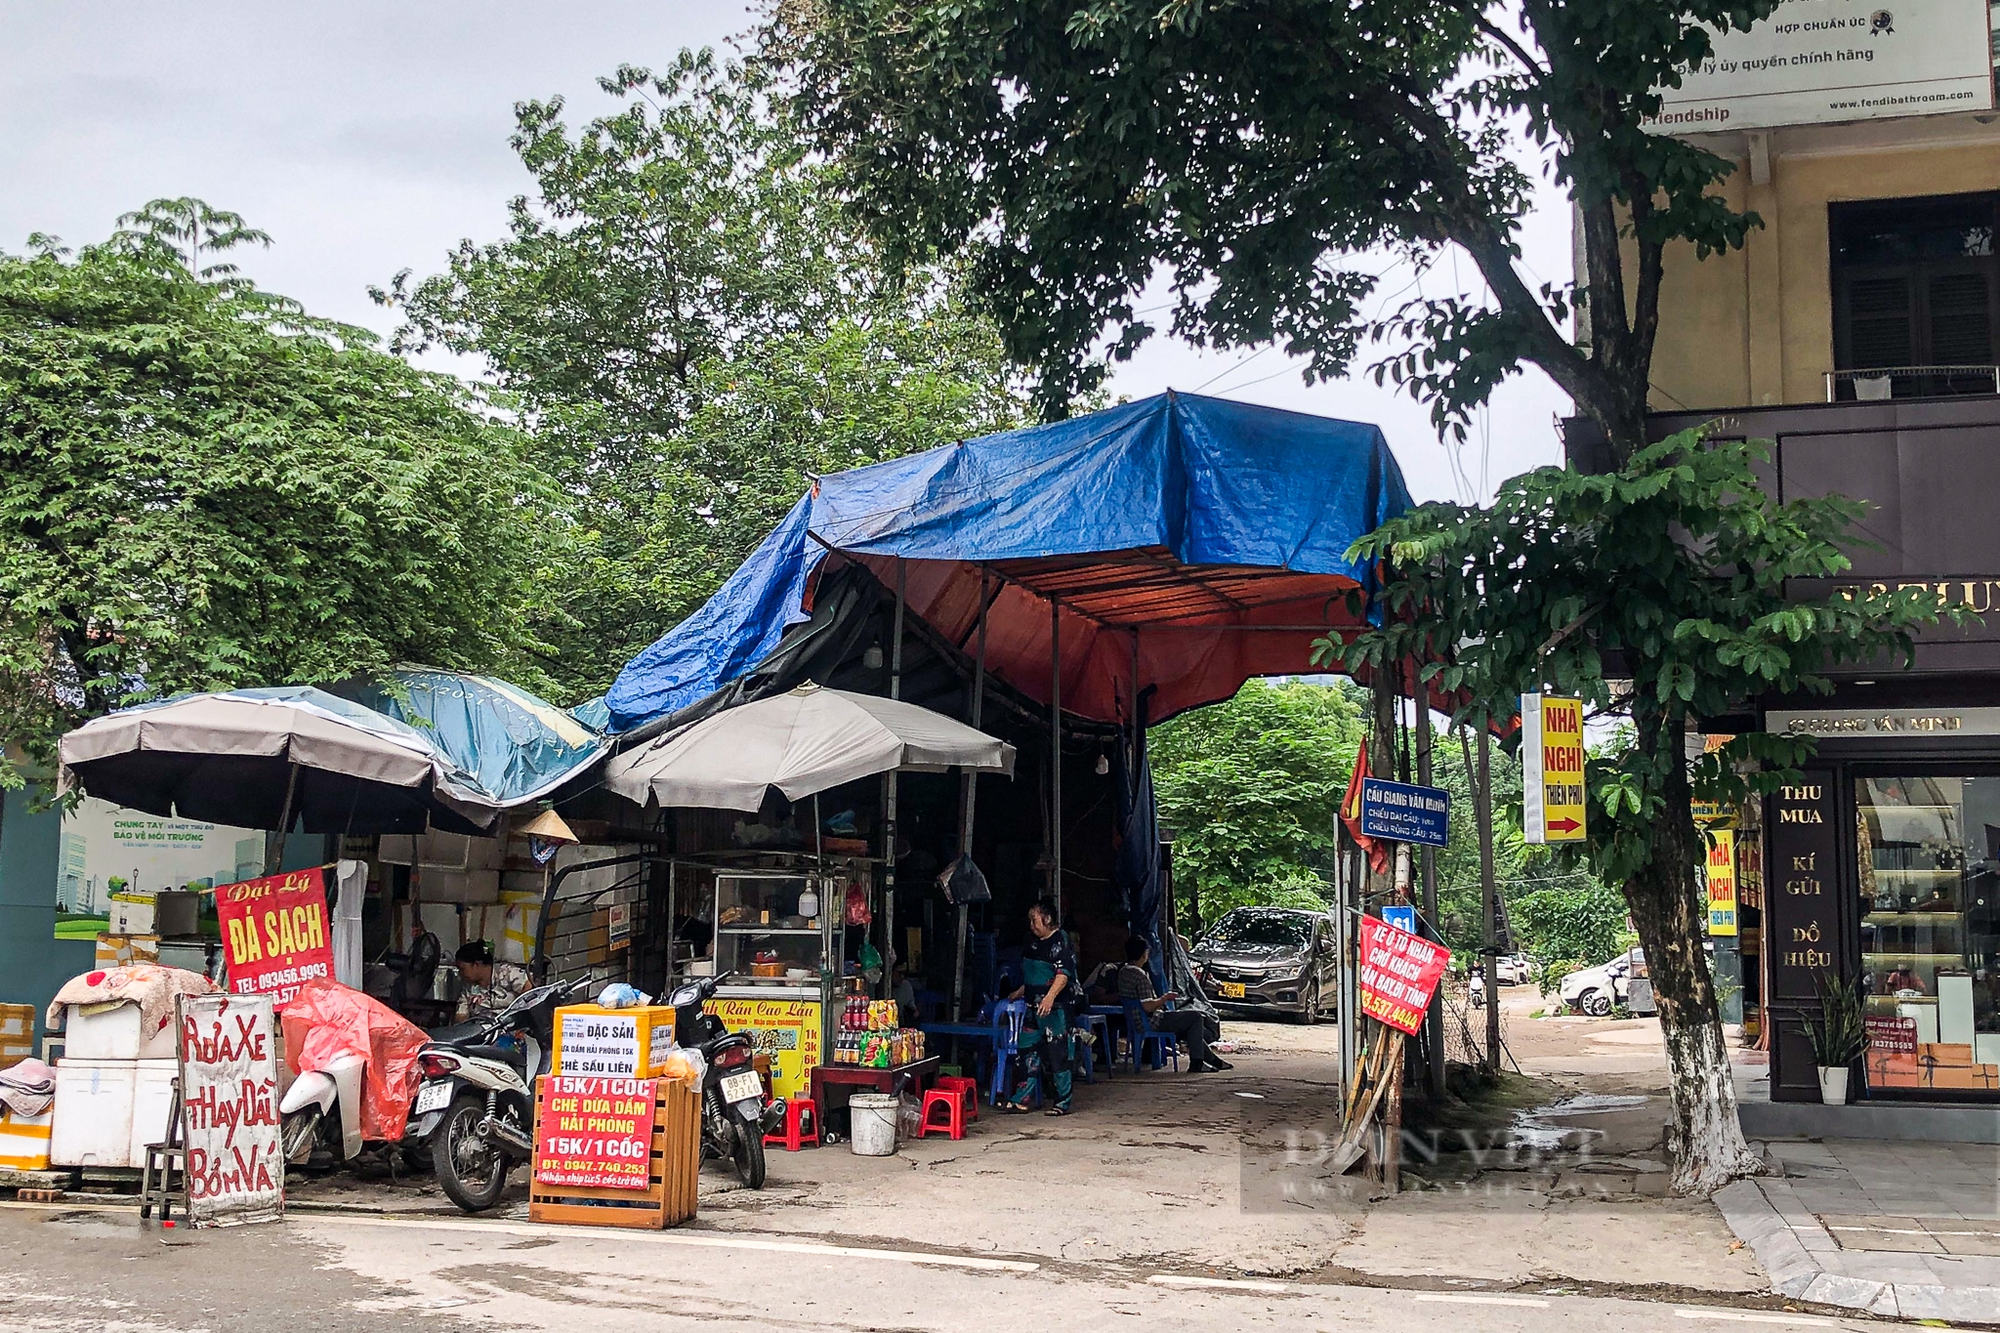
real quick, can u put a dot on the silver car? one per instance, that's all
(1269, 960)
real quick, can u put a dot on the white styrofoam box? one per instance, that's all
(93, 1113)
(1954, 1002)
(24, 1140)
(152, 1104)
(114, 1035)
(1986, 1048)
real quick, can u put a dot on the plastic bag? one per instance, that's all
(963, 882)
(685, 1064)
(618, 995)
(857, 906)
(909, 1117)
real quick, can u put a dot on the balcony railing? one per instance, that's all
(1886, 382)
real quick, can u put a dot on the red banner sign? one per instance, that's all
(1399, 973)
(275, 933)
(595, 1133)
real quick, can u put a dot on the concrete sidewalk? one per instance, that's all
(1899, 1229)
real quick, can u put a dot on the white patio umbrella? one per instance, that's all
(801, 742)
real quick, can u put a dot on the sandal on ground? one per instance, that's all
(1057, 1110)
(1015, 1108)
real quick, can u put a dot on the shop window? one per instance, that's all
(1916, 297)
(1929, 860)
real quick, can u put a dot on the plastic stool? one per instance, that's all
(968, 1088)
(795, 1135)
(952, 1102)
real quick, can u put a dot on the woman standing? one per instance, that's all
(1048, 969)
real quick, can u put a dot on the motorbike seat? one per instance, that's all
(459, 1033)
(516, 1056)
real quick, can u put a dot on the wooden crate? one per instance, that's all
(676, 1162)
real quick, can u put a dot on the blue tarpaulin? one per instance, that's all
(509, 744)
(1189, 543)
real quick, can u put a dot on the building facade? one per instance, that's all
(1859, 331)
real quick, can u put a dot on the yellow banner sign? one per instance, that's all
(1552, 758)
(785, 1030)
(1721, 882)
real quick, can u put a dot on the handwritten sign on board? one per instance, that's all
(229, 1109)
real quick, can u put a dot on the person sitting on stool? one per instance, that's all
(1135, 983)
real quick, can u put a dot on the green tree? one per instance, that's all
(1571, 917)
(1672, 574)
(1078, 149)
(692, 327)
(203, 486)
(1251, 788)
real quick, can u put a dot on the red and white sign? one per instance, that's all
(1399, 974)
(275, 933)
(229, 1109)
(595, 1133)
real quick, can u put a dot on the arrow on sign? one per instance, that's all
(1564, 825)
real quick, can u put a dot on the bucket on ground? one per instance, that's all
(872, 1124)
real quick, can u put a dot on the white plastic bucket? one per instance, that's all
(872, 1124)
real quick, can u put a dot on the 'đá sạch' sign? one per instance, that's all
(1399, 974)
(229, 1109)
(595, 1133)
(275, 934)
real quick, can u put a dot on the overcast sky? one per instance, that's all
(369, 137)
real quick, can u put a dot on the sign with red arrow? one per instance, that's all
(1552, 760)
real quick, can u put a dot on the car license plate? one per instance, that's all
(742, 1087)
(432, 1097)
(1231, 990)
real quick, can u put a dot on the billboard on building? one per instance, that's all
(113, 856)
(1813, 62)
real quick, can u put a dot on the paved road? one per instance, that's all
(75, 1269)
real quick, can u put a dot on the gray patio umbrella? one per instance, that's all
(801, 742)
(265, 758)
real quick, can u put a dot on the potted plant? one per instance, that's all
(1838, 1036)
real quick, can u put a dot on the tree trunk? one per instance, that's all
(1705, 1140)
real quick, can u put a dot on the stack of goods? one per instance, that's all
(27, 1094)
(869, 1036)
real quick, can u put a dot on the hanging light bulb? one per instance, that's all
(872, 657)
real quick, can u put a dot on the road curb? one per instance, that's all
(1794, 1248)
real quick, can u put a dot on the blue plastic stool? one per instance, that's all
(1087, 1051)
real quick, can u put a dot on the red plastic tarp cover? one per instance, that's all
(326, 1019)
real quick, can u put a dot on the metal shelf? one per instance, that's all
(765, 930)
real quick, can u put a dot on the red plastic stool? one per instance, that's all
(967, 1087)
(953, 1104)
(796, 1135)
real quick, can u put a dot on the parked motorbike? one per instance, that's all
(320, 1115)
(474, 1110)
(334, 1034)
(734, 1114)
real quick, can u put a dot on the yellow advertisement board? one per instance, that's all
(1552, 759)
(785, 1030)
(1721, 882)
